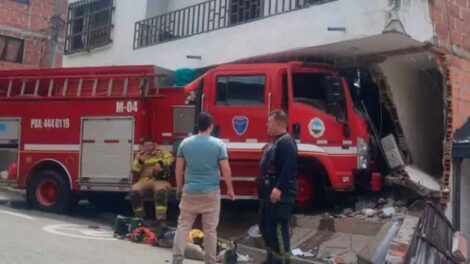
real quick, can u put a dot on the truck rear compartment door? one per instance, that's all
(106, 150)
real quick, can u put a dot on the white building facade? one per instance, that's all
(201, 33)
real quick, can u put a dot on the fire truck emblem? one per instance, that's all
(240, 124)
(316, 127)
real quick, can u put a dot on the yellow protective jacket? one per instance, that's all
(145, 170)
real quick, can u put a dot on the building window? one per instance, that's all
(240, 90)
(244, 10)
(89, 25)
(11, 49)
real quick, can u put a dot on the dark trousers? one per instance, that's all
(274, 228)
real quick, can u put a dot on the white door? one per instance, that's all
(106, 150)
(9, 145)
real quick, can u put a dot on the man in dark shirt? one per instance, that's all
(277, 189)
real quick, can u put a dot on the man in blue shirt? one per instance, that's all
(200, 159)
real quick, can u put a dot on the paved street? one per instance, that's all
(85, 236)
(30, 236)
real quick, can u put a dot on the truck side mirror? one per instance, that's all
(296, 130)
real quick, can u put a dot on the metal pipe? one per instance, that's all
(457, 182)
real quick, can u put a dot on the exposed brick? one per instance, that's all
(461, 3)
(454, 10)
(34, 20)
(451, 20)
(440, 4)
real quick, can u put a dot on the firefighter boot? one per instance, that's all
(161, 200)
(137, 205)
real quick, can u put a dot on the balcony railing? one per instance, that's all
(208, 16)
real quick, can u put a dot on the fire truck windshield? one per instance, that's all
(310, 89)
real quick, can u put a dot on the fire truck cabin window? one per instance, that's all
(240, 90)
(311, 89)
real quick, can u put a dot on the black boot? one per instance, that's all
(137, 205)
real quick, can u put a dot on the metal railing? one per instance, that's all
(208, 16)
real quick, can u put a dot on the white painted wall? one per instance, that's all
(290, 31)
(418, 100)
(416, 19)
(178, 4)
(156, 8)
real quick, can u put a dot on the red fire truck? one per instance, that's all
(72, 132)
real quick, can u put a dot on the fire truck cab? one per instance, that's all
(332, 137)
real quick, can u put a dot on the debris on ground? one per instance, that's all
(299, 253)
(243, 258)
(137, 230)
(364, 230)
(373, 209)
(388, 211)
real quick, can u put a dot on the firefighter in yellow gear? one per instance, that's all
(151, 165)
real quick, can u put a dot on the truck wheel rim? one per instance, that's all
(46, 192)
(304, 191)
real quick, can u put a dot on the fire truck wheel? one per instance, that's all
(305, 192)
(49, 191)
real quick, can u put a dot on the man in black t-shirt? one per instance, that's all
(277, 189)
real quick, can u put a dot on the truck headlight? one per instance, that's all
(362, 154)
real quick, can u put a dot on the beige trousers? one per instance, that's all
(208, 206)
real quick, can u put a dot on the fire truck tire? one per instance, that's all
(50, 191)
(310, 188)
(306, 192)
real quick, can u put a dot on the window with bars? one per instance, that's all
(89, 25)
(244, 10)
(11, 49)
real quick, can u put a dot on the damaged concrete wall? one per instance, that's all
(419, 103)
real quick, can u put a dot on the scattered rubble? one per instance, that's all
(389, 211)
(374, 210)
(408, 175)
(299, 253)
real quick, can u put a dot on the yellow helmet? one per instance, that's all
(195, 233)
